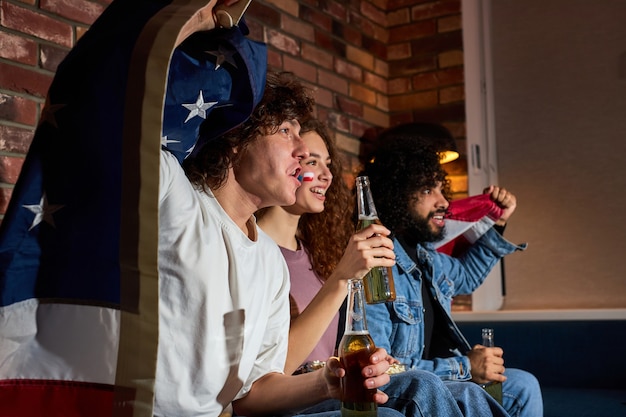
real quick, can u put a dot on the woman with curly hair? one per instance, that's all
(322, 251)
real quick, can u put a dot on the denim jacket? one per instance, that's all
(398, 326)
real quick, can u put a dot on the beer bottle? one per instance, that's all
(354, 350)
(494, 388)
(378, 282)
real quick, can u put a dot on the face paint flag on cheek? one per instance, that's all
(308, 176)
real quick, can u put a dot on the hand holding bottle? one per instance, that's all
(368, 248)
(378, 282)
(487, 364)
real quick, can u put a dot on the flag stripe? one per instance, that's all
(36, 347)
(27, 398)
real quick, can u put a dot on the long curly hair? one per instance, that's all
(402, 165)
(284, 98)
(326, 234)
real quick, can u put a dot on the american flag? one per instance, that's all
(78, 244)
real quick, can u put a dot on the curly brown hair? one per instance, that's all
(404, 163)
(326, 234)
(284, 98)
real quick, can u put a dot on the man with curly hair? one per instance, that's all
(411, 191)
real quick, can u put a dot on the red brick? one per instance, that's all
(80, 31)
(18, 109)
(363, 94)
(18, 49)
(349, 70)
(328, 43)
(22, 80)
(368, 27)
(401, 118)
(396, 4)
(298, 28)
(373, 13)
(266, 15)
(398, 17)
(282, 42)
(347, 33)
(338, 121)
(413, 101)
(438, 43)
(449, 112)
(332, 81)
(317, 56)
(425, 81)
(324, 97)
(358, 128)
(36, 24)
(322, 114)
(335, 9)
(257, 29)
(450, 76)
(413, 65)
(77, 10)
(350, 107)
(274, 59)
(375, 47)
(435, 9)
(10, 167)
(316, 18)
(376, 82)
(450, 23)
(15, 139)
(412, 31)
(399, 85)
(51, 57)
(452, 94)
(303, 70)
(397, 51)
(5, 196)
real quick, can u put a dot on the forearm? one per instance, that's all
(307, 329)
(277, 394)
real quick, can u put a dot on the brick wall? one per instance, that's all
(373, 64)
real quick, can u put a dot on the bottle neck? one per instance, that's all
(355, 317)
(487, 335)
(365, 201)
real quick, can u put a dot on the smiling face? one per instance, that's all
(427, 208)
(316, 176)
(269, 167)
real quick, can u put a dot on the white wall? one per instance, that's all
(560, 126)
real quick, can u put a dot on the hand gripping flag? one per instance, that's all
(78, 244)
(466, 221)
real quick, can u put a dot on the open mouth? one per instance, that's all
(319, 191)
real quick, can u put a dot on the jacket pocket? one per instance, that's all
(407, 336)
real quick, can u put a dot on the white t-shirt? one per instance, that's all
(224, 302)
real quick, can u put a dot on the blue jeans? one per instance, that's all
(382, 412)
(473, 400)
(521, 394)
(418, 393)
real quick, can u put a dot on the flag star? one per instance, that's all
(165, 141)
(198, 108)
(223, 55)
(43, 211)
(190, 150)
